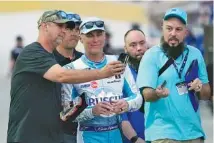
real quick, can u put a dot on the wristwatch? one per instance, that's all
(134, 139)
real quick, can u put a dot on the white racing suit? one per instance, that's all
(101, 129)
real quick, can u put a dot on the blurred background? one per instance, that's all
(19, 19)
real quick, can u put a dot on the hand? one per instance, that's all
(104, 108)
(120, 106)
(195, 85)
(111, 69)
(140, 140)
(162, 92)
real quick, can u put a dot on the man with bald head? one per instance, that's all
(171, 93)
(133, 122)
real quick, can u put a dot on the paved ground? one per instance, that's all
(207, 118)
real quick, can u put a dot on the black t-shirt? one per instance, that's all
(69, 127)
(35, 101)
(63, 60)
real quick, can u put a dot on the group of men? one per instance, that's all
(114, 92)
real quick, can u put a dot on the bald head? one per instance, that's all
(135, 43)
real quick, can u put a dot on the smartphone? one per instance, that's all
(163, 84)
(123, 58)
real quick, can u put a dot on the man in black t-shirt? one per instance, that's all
(35, 98)
(64, 54)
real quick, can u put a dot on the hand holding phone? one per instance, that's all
(161, 91)
(123, 58)
(163, 84)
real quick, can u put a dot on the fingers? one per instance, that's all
(115, 68)
(107, 106)
(115, 62)
(191, 87)
(104, 111)
(162, 92)
(101, 108)
(165, 92)
(195, 85)
(118, 70)
(120, 105)
(117, 65)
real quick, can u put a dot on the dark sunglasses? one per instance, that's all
(73, 17)
(59, 13)
(90, 25)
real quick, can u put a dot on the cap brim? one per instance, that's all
(85, 31)
(61, 21)
(70, 24)
(176, 16)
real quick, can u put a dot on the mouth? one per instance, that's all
(95, 45)
(61, 36)
(139, 56)
(173, 42)
(74, 38)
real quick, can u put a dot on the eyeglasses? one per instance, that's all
(75, 17)
(91, 24)
(59, 13)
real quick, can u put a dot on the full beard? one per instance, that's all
(134, 63)
(172, 51)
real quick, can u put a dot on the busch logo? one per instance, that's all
(94, 101)
(108, 97)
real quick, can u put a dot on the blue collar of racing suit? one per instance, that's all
(92, 64)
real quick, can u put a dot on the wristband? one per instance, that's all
(134, 139)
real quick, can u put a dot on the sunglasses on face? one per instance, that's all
(59, 13)
(90, 25)
(74, 17)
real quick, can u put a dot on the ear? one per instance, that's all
(125, 49)
(44, 26)
(186, 31)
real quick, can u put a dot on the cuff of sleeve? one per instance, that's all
(130, 103)
(90, 114)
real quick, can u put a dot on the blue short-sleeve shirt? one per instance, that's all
(172, 117)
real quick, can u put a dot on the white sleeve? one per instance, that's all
(85, 115)
(131, 91)
(66, 91)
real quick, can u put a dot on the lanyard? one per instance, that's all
(182, 66)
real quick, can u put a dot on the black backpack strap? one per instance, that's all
(142, 106)
(165, 66)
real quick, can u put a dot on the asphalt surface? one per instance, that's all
(207, 118)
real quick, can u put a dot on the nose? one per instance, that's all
(173, 33)
(63, 31)
(76, 32)
(95, 39)
(139, 47)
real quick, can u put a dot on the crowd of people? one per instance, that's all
(151, 95)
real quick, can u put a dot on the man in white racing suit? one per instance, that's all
(99, 122)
